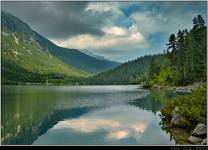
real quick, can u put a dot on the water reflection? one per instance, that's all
(154, 101)
(122, 122)
(119, 124)
(81, 115)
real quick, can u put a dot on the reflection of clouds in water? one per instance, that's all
(119, 134)
(140, 128)
(87, 124)
(119, 122)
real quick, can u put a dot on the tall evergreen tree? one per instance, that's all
(186, 53)
(172, 48)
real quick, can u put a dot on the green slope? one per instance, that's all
(71, 57)
(131, 72)
(29, 57)
(21, 58)
(24, 60)
(74, 57)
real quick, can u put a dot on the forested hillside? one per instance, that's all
(185, 60)
(132, 72)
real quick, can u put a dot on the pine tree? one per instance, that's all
(187, 55)
(172, 48)
(152, 69)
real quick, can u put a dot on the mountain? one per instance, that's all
(94, 55)
(131, 72)
(29, 57)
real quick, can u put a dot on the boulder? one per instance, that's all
(200, 130)
(179, 135)
(184, 89)
(163, 118)
(195, 140)
(177, 119)
(204, 142)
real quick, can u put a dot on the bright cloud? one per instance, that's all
(117, 30)
(102, 7)
(115, 37)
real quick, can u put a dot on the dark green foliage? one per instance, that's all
(151, 73)
(132, 72)
(82, 61)
(15, 74)
(184, 62)
(191, 106)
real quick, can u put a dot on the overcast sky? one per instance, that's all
(119, 31)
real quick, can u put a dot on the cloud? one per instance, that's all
(114, 37)
(166, 17)
(56, 19)
(103, 7)
(116, 30)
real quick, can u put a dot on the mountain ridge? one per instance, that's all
(47, 45)
(40, 55)
(131, 72)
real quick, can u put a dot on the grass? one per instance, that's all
(32, 62)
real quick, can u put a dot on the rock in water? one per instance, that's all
(200, 130)
(177, 119)
(195, 140)
(204, 142)
(163, 118)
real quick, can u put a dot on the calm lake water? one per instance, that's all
(82, 115)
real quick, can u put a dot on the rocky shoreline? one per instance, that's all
(179, 89)
(176, 126)
(180, 128)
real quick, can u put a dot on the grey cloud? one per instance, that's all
(62, 20)
(57, 19)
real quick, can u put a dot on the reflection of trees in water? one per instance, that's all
(154, 101)
(27, 116)
(28, 132)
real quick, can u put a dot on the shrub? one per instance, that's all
(192, 106)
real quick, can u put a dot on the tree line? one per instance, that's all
(184, 60)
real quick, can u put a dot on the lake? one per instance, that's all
(74, 115)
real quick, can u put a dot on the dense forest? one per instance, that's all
(184, 61)
(132, 72)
